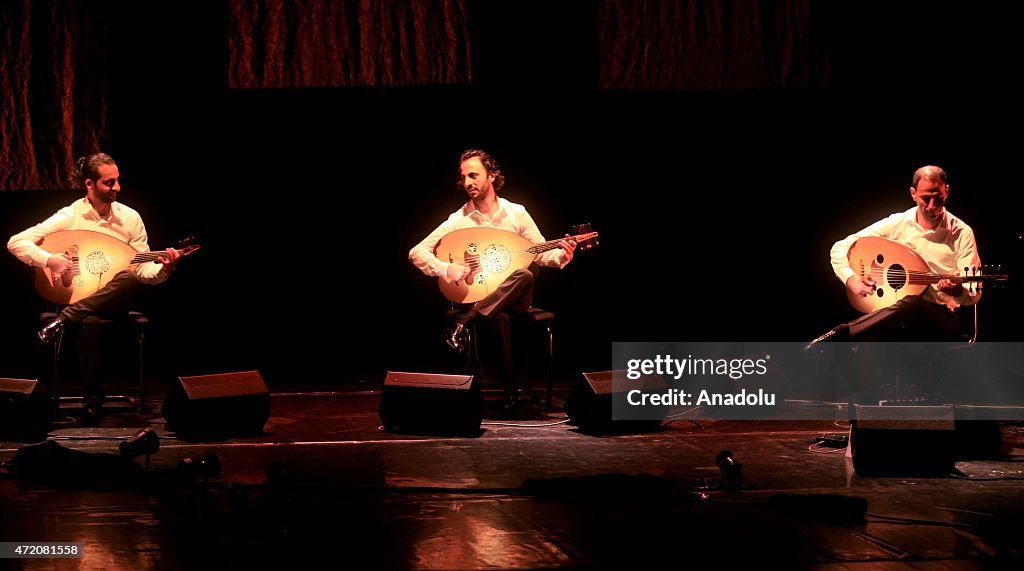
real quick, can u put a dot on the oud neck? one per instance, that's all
(932, 278)
(552, 244)
(148, 256)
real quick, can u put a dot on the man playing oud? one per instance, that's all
(481, 178)
(947, 246)
(945, 243)
(98, 211)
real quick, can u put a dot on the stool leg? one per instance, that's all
(473, 352)
(56, 368)
(142, 380)
(551, 353)
(57, 344)
(468, 336)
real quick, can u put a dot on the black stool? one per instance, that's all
(535, 319)
(538, 318)
(138, 323)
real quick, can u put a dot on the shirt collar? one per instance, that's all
(470, 211)
(911, 217)
(92, 214)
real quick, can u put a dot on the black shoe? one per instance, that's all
(93, 410)
(144, 443)
(457, 339)
(51, 331)
(510, 404)
(840, 332)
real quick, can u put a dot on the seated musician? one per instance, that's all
(97, 211)
(947, 245)
(481, 178)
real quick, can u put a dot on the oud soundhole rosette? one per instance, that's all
(496, 258)
(97, 263)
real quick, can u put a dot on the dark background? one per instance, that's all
(716, 208)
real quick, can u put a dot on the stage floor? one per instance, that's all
(323, 487)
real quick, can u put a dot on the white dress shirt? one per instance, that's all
(947, 249)
(122, 223)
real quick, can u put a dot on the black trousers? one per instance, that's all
(909, 319)
(887, 367)
(112, 301)
(497, 311)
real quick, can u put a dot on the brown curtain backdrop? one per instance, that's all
(325, 43)
(712, 44)
(53, 93)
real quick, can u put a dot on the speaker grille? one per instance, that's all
(25, 411)
(425, 403)
(903, 440)
(226, 384)
(590, 404)
(217, 406)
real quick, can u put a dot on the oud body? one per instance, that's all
(491, 256)
(897, 272)
(95, 259)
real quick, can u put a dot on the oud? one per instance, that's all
(491, 256)
(95, 259)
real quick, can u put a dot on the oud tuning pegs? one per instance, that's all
(580, 229)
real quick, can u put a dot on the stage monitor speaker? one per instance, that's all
(590, 402)
(425, 403)
(24, 411)
(903, 440)
(218, 405)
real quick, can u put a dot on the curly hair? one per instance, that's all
(489, 163)
(87, 168)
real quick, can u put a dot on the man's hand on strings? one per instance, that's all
(567, 246)
(457, 272)
(861, 285)
(59, 263)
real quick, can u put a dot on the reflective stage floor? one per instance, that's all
(324, 488)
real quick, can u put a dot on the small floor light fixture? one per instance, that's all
(205, 467)
(731, 470)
